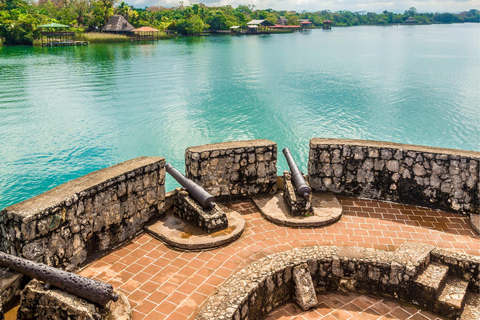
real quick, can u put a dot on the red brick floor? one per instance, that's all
(335, 306)
(164, 283)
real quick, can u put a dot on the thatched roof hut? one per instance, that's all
(118, 24)
(411, 20)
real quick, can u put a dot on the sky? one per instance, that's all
(315, 5)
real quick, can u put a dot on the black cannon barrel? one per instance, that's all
(198, 193)
(302, 187)
(92, 290)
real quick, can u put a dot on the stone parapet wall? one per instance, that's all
(237, 168)
(265, 284)
(444, 179)
(77, 221)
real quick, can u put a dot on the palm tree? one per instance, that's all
(124, 9)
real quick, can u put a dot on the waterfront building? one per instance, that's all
(235, 30)
(410, 20)
(306, 24)
(145, 34)
(118, 24)
(59, 35)
(256, 26)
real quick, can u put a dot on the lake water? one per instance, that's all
(65, 112)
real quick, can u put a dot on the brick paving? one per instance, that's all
(164, 283)
(340, 306)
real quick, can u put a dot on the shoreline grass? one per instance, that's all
(96, 37)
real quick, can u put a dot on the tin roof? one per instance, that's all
(260, 22)
(54, 25)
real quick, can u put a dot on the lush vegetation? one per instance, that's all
(19, 19)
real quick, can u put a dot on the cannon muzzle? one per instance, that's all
(198, 193)
(303, 189)
(92, 290)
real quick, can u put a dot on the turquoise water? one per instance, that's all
(65, 112)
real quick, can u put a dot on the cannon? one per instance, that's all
(92, 290)
(198, 193)
(303, 189)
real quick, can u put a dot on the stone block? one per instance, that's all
(209, 220)
(305, 294)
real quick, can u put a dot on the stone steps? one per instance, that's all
(435, 286)
(471, 310)
(414, 255)
(452, 297)
(431, 280)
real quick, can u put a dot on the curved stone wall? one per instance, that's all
(235, 168)
(404, 274)
(438, 178)
(77, 221)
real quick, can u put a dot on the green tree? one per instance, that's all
(411, 12)
(124, 9)
(217, 20)
(190, 26)
(17, 26)
(102, 11)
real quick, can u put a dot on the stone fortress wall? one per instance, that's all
(80, 220)
(77, 221)
(437, 178)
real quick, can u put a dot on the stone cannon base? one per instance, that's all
(11, 284)
(37, 303)
(299, 206)
(187, 208)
